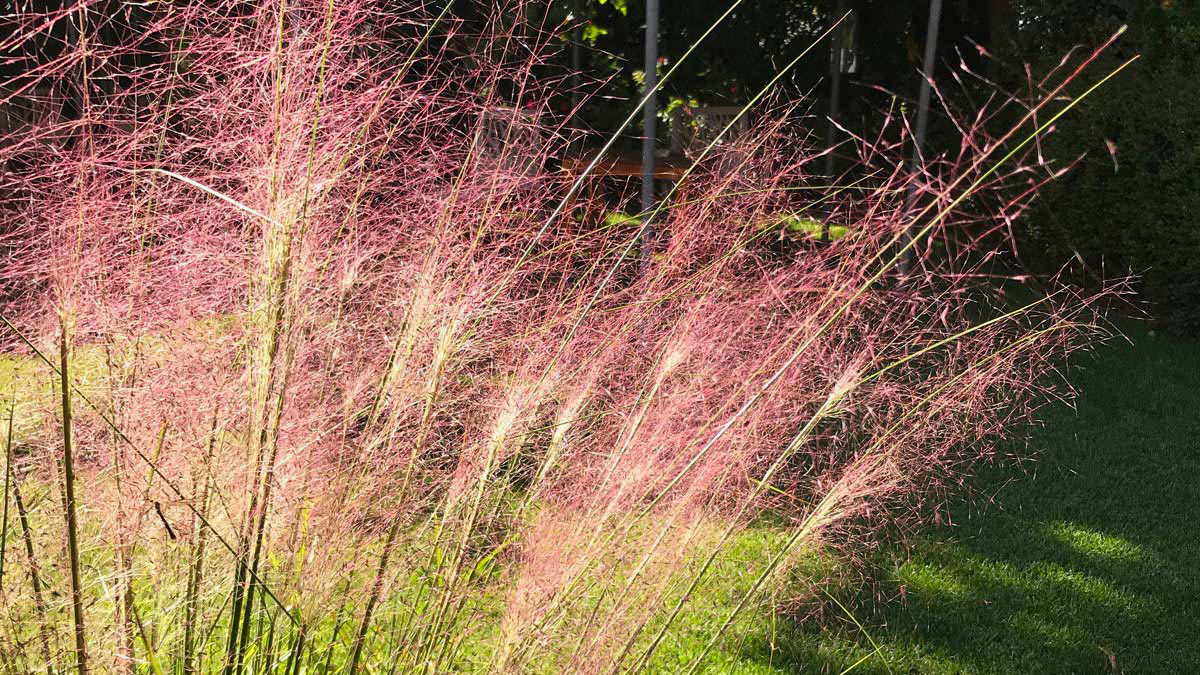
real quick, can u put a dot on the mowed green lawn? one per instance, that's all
(1093, 566)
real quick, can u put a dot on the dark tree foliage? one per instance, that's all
(1130, 202)
(760, 38)
(1123, 208)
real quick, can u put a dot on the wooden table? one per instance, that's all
(615, 164)
(624, 164)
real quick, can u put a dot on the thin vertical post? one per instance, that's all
(576, 52)
(835, 96)
(931, 35)
(649, 119)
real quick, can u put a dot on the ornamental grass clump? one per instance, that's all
(350, 381)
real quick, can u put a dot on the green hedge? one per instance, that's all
(1136, 207)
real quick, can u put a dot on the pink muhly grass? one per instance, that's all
(385, 382)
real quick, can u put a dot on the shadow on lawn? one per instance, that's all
(1091, 567)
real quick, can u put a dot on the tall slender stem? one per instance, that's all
(35, 579)
(7, 473)
(68, 463)
(196, 568)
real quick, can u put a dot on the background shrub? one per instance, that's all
(1130, 203)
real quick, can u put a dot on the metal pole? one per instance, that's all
(835, 95)
(649, 118)
(931, 35)
(576, 52)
